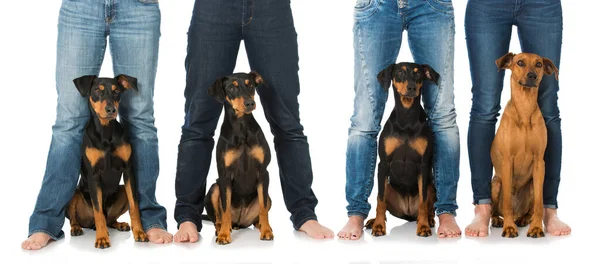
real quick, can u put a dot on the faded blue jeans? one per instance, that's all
(378, 27)
(133, 30)
(488, 28)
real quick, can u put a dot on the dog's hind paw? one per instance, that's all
(121, 226)
(535, 232)
(76, 231)
(432, 221)
(497, 221)
(523, 221)
(510, 232)
(423, 231)
(369, 223)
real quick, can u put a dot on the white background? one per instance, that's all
(27, 57)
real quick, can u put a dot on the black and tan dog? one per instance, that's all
(240, 197)
(99, 199)
(518, 148)
(404, 178)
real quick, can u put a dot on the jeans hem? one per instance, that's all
(154, 226)
(361, 214)
(483, 201)
(55, 238)
(189, 219)
(300, 223)
(441, 212)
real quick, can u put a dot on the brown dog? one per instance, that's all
(518, 148)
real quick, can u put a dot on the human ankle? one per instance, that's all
(483, 210)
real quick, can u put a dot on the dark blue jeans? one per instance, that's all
(267, 29)
(488, 26)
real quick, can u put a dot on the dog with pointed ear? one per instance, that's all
(386, 75)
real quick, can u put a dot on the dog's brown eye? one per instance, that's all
(539, 65)
(97, 92)
(520, 63)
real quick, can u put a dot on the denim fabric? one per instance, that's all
(378, 28)
(488, 27)
(133, 27)
(214, 36)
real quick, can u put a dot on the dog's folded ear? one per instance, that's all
(431, 74)
(505, 61)
(127, 81)
(385, 76)
(84, 84)
(216, 90)
(550, 68)
(257, 78)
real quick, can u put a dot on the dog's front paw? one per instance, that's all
(497, 221)
(266, 234)
(510, 232)
(102, 242)
(423, 231)
(140, 236)
(378, 229)
(76, 231)
(223, 239)
(535, 232)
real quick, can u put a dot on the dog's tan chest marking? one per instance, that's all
(231, 156)
(419, 145)
(258, 153)
(123, 152)
(391, 144)
(93, 155)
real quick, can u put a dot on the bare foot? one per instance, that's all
(315, 230)
(188, 232)
(353, 230)
(35, 241)
(448, 227)
(481, 222)
(553, 224)
(159, 236)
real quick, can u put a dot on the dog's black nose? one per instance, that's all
(249, 103)
(532, 76)
(411, 88)
(111, 110)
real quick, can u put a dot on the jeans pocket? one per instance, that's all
(441, 6)
(149, 1)
(363, 9)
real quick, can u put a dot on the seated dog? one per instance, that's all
(518, 148)
(99, 200)
(404, 177)
(240, 196)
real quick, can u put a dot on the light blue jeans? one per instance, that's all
(133, 30)
(378, 27)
